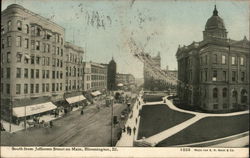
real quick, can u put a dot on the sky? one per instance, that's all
(105, 27)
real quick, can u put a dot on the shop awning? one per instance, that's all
(33, 109)
(75, 99)
(96, 93)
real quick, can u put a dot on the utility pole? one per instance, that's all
(112, 122)
(10, 108)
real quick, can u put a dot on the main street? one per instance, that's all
(93, 128)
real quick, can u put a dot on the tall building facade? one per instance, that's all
(111, 76)
(74, 68)
(214, 73)
(32, 54)
(38, 68)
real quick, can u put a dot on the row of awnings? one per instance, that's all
(44, 107)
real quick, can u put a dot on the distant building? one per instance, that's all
(125, 79)
(95, 76)
(111, 76)
(214, 73)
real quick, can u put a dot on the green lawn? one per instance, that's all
(157, 118)
(152, 98)
(208, 129)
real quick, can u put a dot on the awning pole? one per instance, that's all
(25, 125)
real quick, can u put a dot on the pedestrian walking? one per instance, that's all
(130, 130)
(81, 112)
(136, 121)
(127, 129)
(134, 129)
(51, 124)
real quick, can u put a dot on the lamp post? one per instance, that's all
(112, 122)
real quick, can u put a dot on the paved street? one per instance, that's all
(91, 129)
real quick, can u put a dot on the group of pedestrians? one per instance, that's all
(129, 130)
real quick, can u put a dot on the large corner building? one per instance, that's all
(214, 73)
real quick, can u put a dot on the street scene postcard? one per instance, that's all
(148, 78)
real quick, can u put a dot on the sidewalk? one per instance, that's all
(126, 139)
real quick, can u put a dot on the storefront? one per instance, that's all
(76, 101)
(19, 113)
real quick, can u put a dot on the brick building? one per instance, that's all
(214, 73)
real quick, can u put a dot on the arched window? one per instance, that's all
(215, 58)
(224, 92)
(27, 29)
(19, 25)
(215, 93)
(243, 96)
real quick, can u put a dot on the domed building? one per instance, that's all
(213, 74)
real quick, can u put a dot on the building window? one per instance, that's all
(241, 61)
(44, 47)
(53, 87)
(33, 30)
(242, 76)
(19, 25)
(8, 57)
(38, 32)
(224, 106)
(18, 73)
(224, 75)
(233, 61)
(26, 73)
(32, 73)
(25, 90)
(18, 57)
(27, 28)
(205, 75)
(18, 89)
(32, 60)
(233, 75)
(214, 75)
(2, 44)
(215, 93)
(9, 25)
(31, 88)
(9, 41)
(8, 73)
(47, 87)
(2, 88)
(37, 73)
(37, 88)
(37, 60)
(26, 43)
(243, 96)
(57, 87)
(224, 92)
(47, 74)
(223, 59)
(2, 73)
(8, 88)
(215, 106)
(60, 86)
(57, 50)
(37, 45)
(32, 44)
(61, 52)
(206, 60)
(53, 74)
(43, 87)
(18, 41)
(2, 30)
(48, 48)
(43, 73)
(215, 58)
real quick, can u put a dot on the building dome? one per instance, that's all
(215, 26)
(215, 22)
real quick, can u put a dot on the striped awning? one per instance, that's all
(75, 99)
(33, 109)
